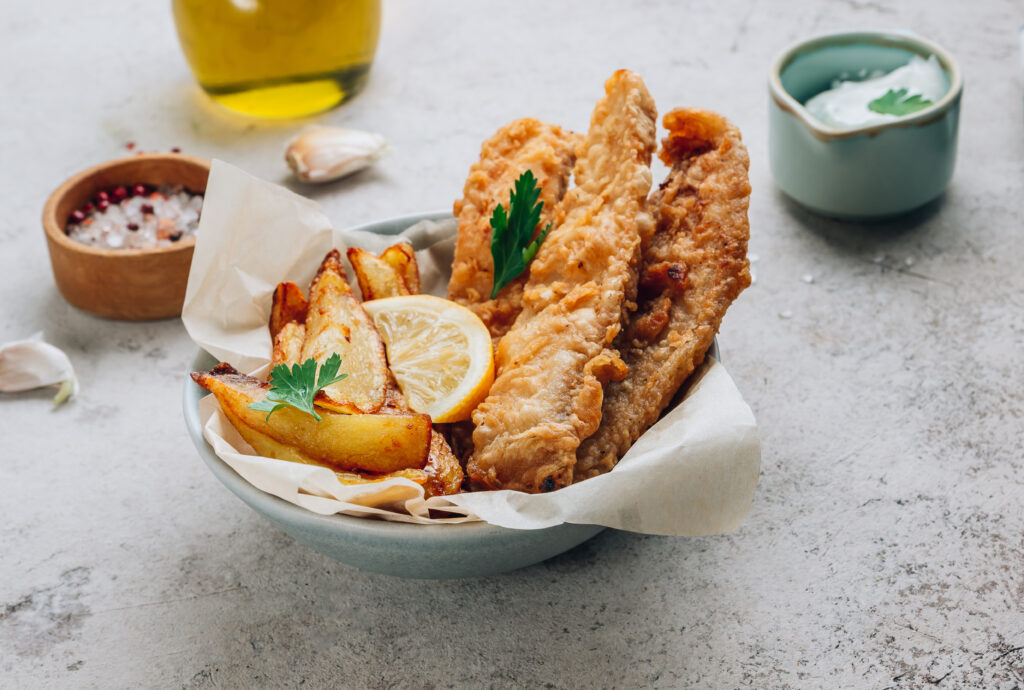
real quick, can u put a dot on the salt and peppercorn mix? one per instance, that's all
(136, 216)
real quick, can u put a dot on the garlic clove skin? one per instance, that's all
(30, 364)
(330, 153)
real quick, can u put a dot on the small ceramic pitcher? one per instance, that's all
(867, 172)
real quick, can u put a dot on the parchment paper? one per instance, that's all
(693, 473)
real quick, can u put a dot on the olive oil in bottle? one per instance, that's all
(279, 58)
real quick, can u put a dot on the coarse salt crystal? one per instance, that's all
(112, 228)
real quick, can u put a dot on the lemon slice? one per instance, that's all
(439, 351)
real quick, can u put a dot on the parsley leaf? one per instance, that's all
(512, 243)
(299, 385)
(898, 103)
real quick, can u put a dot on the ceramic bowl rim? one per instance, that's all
(897, 39)
(55, 230)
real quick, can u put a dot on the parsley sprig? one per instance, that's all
(898, 103)
(512, 243)
(299, 385)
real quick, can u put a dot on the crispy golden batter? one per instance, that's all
(527, 144)
(555, 361)
(694, 268)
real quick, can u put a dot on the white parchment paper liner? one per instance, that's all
(693, 473)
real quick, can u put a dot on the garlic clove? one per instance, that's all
(29, 364)
(329, 153)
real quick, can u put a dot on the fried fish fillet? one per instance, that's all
(546, 150)
(554, 362)
(694, 268)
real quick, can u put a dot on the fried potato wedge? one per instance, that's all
(441, 476)
(336, 323)
(377, 278)
(288, 306)
(444, 473)
(403, 259)
(288, 344)
(343, 442)
(271, 448)
(350, 478)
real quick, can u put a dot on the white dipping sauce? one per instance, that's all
(846, 103)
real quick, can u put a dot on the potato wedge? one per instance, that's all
(418, 476)
(377, 278)
(288, 344)
(444, 473)
(441, 476)
(288, 306)
(336, 323)
(271, 448)
(343, 442)
(402, 257)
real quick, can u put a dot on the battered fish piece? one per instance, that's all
(554, 362)
(694, 268)
(546, 150)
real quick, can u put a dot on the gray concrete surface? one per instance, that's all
(885, 547)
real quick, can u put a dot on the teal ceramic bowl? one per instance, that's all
(859, 173)
(392, 548)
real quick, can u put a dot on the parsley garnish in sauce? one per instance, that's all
(898, 103)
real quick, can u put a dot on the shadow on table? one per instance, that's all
(326, 189)
(615, 611)
(854, 234)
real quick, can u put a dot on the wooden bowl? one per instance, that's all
(129, 284)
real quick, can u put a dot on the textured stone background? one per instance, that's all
(884, 547)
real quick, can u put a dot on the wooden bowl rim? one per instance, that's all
(54, 230)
